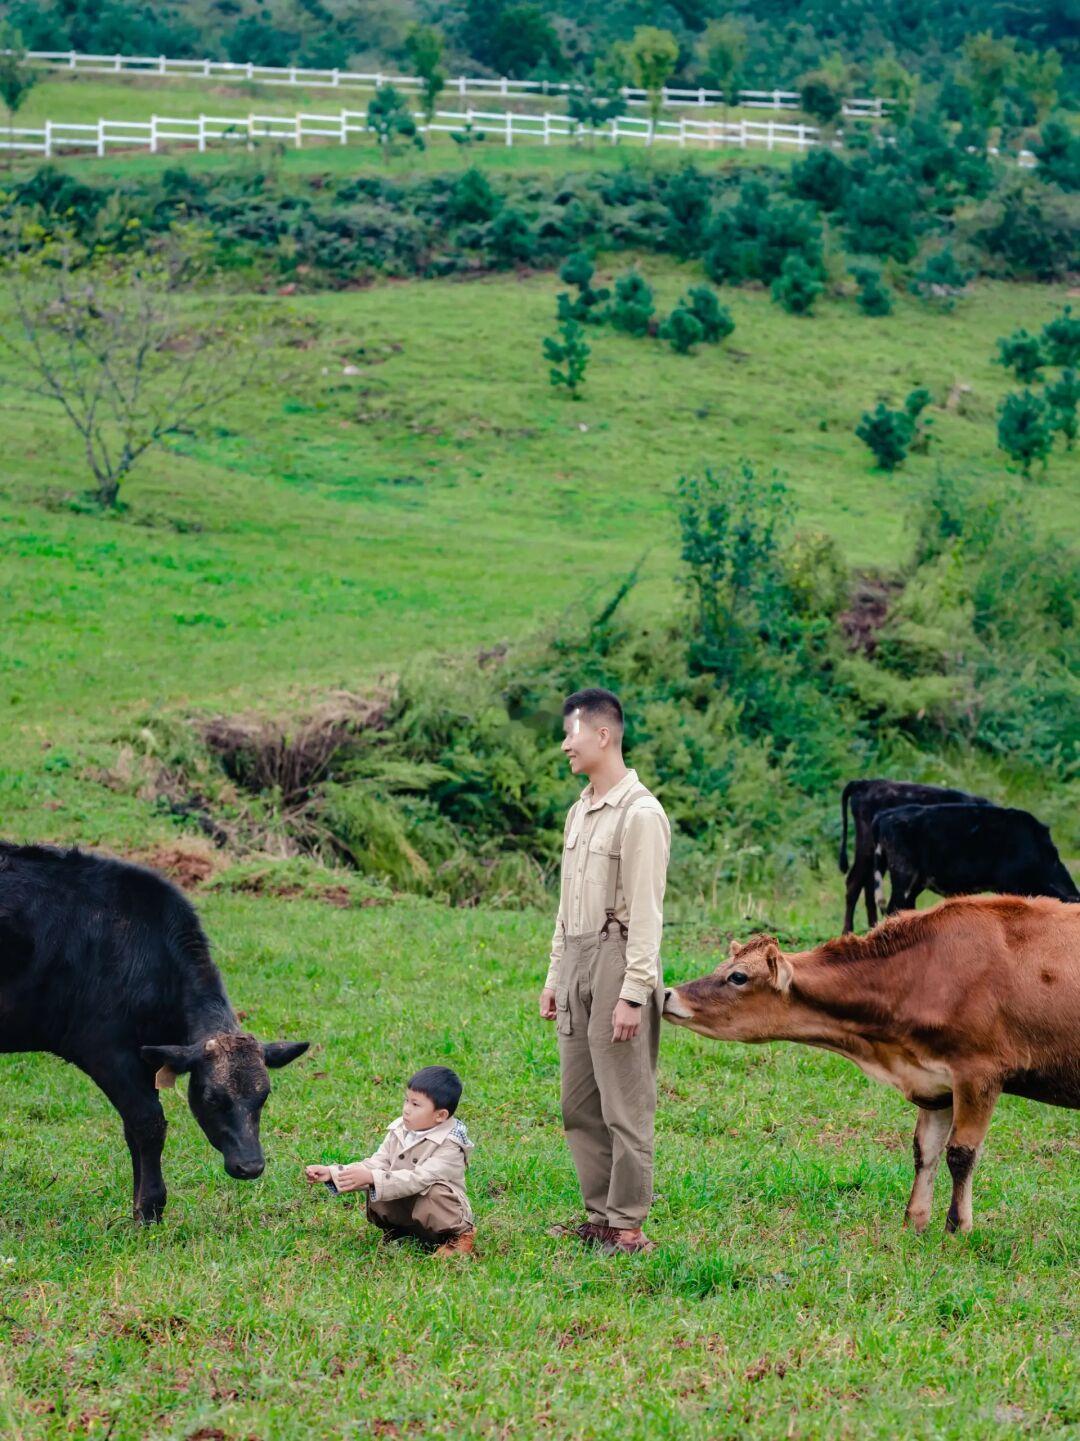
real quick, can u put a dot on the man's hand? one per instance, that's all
(625, 1021)
(547, 1004)
(354, 1178)
(314, 1174)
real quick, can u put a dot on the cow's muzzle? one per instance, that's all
(675, 1008)
(247, 1168)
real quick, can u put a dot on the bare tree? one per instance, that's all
(127, 358)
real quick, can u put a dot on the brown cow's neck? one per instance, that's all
(846, 1000)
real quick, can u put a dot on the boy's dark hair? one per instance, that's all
(440, 1085)
(598, 704)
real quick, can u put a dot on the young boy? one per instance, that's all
(415, 1181)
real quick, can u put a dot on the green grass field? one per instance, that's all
(328, 528)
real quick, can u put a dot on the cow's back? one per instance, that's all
(87, 947)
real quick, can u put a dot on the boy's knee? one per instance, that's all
(439, 1209)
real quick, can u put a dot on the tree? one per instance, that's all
(571, 352)
(989, 63)
(888, 433)
(1035, 76)
(722, 53)
(1022, 354)
(682, 330)
(892, 82)
(1058, 152)
(578, 271)
(17, 78)
(821, 98)
(632, 308)
(941, 280)
(1061, 339)
(111, 343)
(389, 116)
(821, 177)
(872, 297)
(797, 286)
(424, 45)
(1024, 430)
(593, 103)
(716, 320)
(512, 39)
(1062, 397)
(652, 55)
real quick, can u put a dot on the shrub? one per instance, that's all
(888, 433)
(1062, 397)
(1061, 339)
(941, 281)
(1027, 230)
(389, 116)
(872, 298)
(688, 198)
(797, 286)
(472, 200)
(820, 97)
(1058, 152)
(570, 352)
(821, 176)
(751, 238)
(682, 330)
(632, 308)
(578, 270)
(1022, 354)
(880, 212)
(1024, 430)
(716, 320)
(510, 239)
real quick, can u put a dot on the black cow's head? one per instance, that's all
(228, 1087)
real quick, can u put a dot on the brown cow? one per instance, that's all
(952, 1006)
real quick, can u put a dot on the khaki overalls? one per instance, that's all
(608, 1087)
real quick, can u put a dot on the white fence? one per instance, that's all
(461, 85)
(506, 127)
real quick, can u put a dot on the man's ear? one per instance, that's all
(279, 1053)
(780, 972)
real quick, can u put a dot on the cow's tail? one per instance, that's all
(844, 814)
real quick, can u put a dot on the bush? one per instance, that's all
(941, 281)
(585, 307)
(682, 330)
(716, 320)
(1061, 339)
(510, 239)
(797, 286)
(471, 199)
(1062, 397)
(820, 98)
(751, 238)
(1024, 430)
(888, 433)
(1027, 231)
(571, 352)
(880, 213)
(1022, 354)
(872, 298)
(820, 177)
(1058, 152)
(632, 308)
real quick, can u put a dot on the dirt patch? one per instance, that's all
(189, 864)
(871, 598)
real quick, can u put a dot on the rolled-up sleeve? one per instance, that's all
(646, 846)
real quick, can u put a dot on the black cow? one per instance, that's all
(867, 799)
(960, 849)
(106, 965)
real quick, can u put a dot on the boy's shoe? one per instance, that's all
(463, 1245)
(592, 1233)
(627, 1243)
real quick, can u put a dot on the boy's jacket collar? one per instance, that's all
(437, 1133)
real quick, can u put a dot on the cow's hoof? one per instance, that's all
(916, 1221)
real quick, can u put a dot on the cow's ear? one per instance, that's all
(178, 1059)
(280, 1053)
(734, 949)
(780, 973)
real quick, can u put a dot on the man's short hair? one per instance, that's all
(440, 1085)
(601, 706)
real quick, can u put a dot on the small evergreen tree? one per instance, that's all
(632, 308)
(592, 104)
(1061, 339)
(820, 97)
(1058, 152)
(571, 352)
(914, 406)
(888, 433)
(797, 286)
(1062, 397)
(1024, 430)
(872, 297)
(389, 116)
(471, 199)
(510, 238)
(1022, 354)
(941, 281)
(716, 320)
(578, 271)
(424, 45)
(682, 330)
(17, 78)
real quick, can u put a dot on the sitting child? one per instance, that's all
(415, 1181)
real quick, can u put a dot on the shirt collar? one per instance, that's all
(435, 1133)
(614, 795)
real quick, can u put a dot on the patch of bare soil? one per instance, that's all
(868, 609)
(187, 863)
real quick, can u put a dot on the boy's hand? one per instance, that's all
(314, 1174)
(625, 1021)
(354, 1178)
(547, 1004)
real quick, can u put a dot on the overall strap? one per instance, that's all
(615, 856)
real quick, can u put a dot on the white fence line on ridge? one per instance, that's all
(866, 107)
(507, 126)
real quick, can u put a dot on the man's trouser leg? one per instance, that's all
(608, 1087)
(433, 1215)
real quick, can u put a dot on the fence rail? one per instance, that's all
(506, 126)
(867, 107)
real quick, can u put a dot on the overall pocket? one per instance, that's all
(563, 1024)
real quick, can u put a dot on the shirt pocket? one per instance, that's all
(598, 860)
(563, 1023)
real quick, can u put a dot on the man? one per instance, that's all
(604, 989)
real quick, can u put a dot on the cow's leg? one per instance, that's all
(852, 886)
(132, 1092)
(931, 1132)
(870, 896)
(973, 1105)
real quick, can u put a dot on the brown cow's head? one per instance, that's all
(228, 1087)
(744, 999)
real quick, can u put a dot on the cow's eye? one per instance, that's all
(737, 978)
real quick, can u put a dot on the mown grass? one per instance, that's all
(784, 1298)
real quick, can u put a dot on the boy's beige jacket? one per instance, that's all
(402, 1169)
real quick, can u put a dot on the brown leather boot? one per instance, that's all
(463, 1245)
(628, 1243)
(592, 1233)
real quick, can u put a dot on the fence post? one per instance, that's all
(378, 82)
(771, 123)
(701, 96)
(344, 127)
(48, 138)
(299, 131)
(202, 133)
(744, 134)
(776, 103)
(682, 132)
(206, 68)
(461, 84)
(547, 127)
(71, 59)
(161, 65)
(337, 77)
(250, 71)
(509, 127)
(251, 132)
(101, 137)
(116, 63)
(802, 137)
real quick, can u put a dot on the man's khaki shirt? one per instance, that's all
(639, 898)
